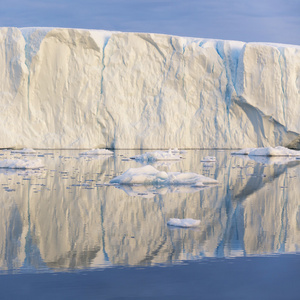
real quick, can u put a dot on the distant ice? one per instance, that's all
(172, 154)
(97, 152)
(208, 159)
(183, 222)
(21, 164)
(24, 151)
(267, 151)
(151, 176)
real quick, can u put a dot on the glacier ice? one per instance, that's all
(76, 88)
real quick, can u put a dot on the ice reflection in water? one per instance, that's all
(65, 217)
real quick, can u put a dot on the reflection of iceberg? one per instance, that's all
(270, 160)
(150, 175)
(150, 191)
(279, 160)
(78, 228)
(208, 159)
(22, 172)
(185, 223)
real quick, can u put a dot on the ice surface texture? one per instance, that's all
(150, 175)
(74, 88)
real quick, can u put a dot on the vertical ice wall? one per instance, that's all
(71, 88)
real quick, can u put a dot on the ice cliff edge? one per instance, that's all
(73, 88)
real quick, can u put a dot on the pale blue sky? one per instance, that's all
(246, 20)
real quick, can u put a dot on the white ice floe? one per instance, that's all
(24, 151)
(183, 222)
(157, 156)
(148, 175)
(21, 164)
(267, 151)
(208, 159)
(97, 152)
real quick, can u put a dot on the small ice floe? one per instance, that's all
(157, 156)
(148, 175)
(186, 223)
(210, 159)
(24, 151)
(21, 164)
(97, 152)
(267, 151)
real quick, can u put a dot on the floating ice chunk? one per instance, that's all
(183, 222)
(24, 151)
(277, 151)
(21, 164)
(209, 159)
(267, 151)
(150, 175)
(157, 156)
(97, 152)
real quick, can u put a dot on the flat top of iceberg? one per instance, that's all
(267, 151)
(150, 175)
(183, 222)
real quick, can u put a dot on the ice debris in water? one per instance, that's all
(150, 175)
(183, 222)
(267, 151)
(208, 159)
(97, 152)
(23, 151)
(171, 154)
(21, 164)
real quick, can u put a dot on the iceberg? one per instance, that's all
(148, 175)
(267, 151)
(83, 89)
(21, 164)
(183, 222)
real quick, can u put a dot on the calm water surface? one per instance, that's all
(66, 218)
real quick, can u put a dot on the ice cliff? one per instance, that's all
(71, 88)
